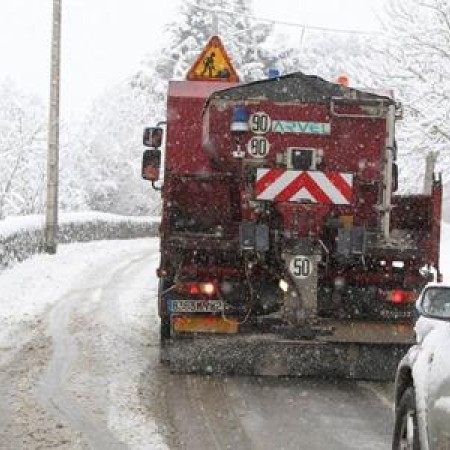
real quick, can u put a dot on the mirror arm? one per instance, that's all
(159, 124)
(417, 313)
(156, 188)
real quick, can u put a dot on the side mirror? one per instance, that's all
(151, 163)
(435, 302)
(153, 137)
(394, 177)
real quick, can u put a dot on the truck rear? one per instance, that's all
(284, 249)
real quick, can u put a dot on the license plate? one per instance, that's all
(205, 324)
(195, 306)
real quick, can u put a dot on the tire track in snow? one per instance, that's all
(54, 389)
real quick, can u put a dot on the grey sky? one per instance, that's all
(104, 40)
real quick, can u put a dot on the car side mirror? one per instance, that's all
(434, 302)
(151, 164)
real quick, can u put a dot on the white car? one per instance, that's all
(422, 387)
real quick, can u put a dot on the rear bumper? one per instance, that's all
(269, 356)
(369, 351)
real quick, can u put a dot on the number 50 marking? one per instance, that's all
(301, 266)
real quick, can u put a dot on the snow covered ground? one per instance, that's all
(80, 318)
(104, 294)
(35, 285)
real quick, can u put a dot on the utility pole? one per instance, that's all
(215, 22)
(51, 224)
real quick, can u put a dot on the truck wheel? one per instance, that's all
(164, 329)
(164, 336)
(406, 429)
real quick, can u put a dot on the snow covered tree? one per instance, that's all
(328, 54)
(108, 154)
(109, 141)
(244, 38)
(414, 59)
(22, 151)
(23, 157)
(72, 191)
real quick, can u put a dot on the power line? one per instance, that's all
(285, 23)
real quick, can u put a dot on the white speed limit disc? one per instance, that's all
(301, 267)
(260, 123)
(258, 147)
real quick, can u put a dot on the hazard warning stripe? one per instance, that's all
(291, 188)
(303, 180)
(283, 185)
(267, 178)
(343, 182)
(324, 183)
(269, 191)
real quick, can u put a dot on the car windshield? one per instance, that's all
(436, 302)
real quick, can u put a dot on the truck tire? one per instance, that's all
(165, 328)
(406, 429)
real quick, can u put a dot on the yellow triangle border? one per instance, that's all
(204, 67)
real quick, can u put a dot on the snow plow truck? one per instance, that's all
(284, 248)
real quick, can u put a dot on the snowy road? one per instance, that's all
(79, 369)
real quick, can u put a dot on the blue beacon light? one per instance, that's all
(239, 121)
(274, 73)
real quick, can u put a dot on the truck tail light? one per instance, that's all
(400, 296)
(194, 289)
(208, 288)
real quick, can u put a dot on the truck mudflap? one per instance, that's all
(272, 355)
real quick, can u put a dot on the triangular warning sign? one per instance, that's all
(213, 64)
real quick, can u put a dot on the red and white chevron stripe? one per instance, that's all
(282, 185)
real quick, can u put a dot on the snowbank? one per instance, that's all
(21, 237)
(33, 286)
(115, 340)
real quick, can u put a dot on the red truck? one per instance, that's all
(284, 249)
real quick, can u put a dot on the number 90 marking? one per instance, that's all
(301, 267)
(259, 123)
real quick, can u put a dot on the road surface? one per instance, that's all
(82, 371)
